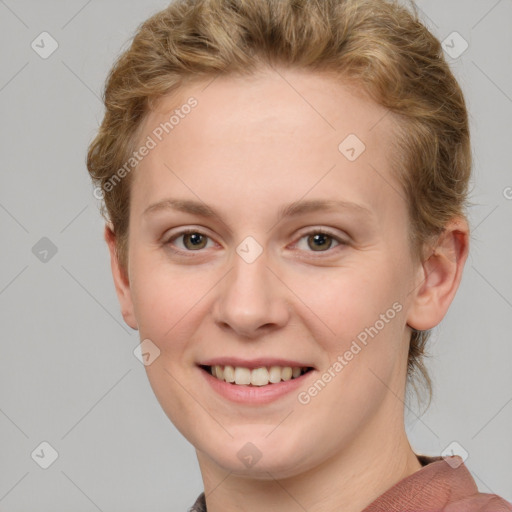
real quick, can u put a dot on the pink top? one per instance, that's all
(441, 485)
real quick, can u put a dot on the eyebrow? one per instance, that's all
(290, 210)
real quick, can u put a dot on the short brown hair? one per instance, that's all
(379, 45)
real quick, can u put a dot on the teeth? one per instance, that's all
(218, 372)
(229, 373)
(258, 376)
(275, 374)
(286, 373)
(242, 375)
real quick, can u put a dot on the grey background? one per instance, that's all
(67, 372)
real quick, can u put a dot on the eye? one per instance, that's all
(193, 240)
(320, 241)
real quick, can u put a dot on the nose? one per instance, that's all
(251, 300)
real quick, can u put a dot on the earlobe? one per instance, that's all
(439, 276)
(121, 281)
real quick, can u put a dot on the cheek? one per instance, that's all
(160, 298)
(364, 308)
(168, 307)
(348, 300)
(170, 301)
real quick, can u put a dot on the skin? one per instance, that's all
(251, 146)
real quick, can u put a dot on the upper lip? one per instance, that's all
(253, 363)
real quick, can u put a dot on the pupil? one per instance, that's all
(194, 238)
(320, 237)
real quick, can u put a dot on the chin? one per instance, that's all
(261, 457)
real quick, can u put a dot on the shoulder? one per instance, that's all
(464, 495)
(480, 502)
(443, 484)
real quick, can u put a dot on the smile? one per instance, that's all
(262, 376)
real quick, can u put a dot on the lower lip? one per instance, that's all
(254, 394)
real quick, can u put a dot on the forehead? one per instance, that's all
(273, 131)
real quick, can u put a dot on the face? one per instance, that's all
(262, 235)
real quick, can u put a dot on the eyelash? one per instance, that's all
(340, 241)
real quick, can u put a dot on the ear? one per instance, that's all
(121, 281)
(439, 276)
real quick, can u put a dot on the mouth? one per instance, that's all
(255, 377)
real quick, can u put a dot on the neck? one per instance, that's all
(350, 480)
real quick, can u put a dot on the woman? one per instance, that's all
(285, 186)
